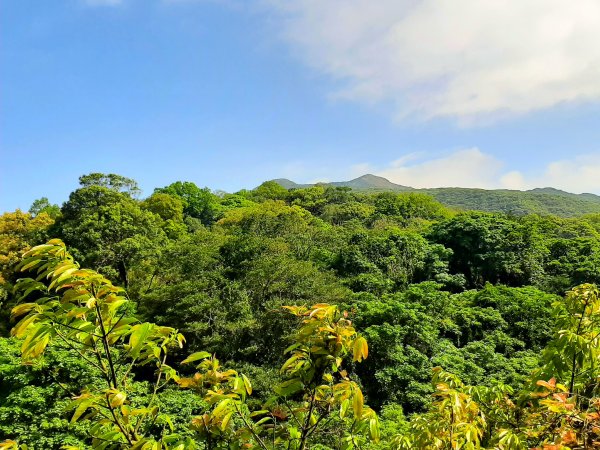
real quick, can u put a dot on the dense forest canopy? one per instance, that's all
(535, 201)
(316, 301)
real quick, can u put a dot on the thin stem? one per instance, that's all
(150, 283)
(117, 322)
(306, 426)
(105, 344)
(156, 385)
(63, 387)
(573, 366)
(292, 413)
(117, 422)
(71, 327)
(129, 369)
(256, 436)
(72, 347)
(319, 420)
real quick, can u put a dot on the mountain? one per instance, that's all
(535, 201)
(366, 182)
(289, 184)
(371, 182)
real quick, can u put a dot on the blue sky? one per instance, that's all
(230, 93)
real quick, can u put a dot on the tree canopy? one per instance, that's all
(271, 318)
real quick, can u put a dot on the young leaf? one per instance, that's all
(196, 357)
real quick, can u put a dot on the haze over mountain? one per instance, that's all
(546, 200)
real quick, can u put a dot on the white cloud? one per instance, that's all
(467, 59)
(580, 174)
(463, 168)
(474, 168)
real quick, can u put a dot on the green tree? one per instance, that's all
(111, 181)
(168, 207)
(409, 206)
(388, 259)
(198, 203)
(83, 311)
(35, 398)
(312, 199)
(488, 247)
(312, 374)
(19, 231)
(43, 205)
(108, 230)
(269, 190)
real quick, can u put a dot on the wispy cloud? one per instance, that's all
(466, 59)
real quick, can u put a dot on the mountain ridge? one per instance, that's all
(544, 200)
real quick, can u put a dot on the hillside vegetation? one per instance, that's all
(544, 201)
(317, 317)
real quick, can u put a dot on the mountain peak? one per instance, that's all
(367, 182)
(371, 177)
(370, 181)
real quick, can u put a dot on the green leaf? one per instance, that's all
(221, 407)
(225, 420)
(81, 408)
(289, 387)
(360, 349)
(247, 384)
(357, 403)
(196, 357)
(117, 399)
(374, 429)
(344, 407)
(138, 338)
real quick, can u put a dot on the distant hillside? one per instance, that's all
(371, 183)
(539, 201)
(289, 184)
(366, 182)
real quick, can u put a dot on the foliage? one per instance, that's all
(545, 201)
(269, 190)
(409, 206)
(117, 183)
(314, 386)
(199, 203)
(489, 248)
(18, 232)
(561, 412)
(478, 294)
(108, 230)
(84, 312)
(43, 205)
(34, 398)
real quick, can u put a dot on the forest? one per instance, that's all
(542, 201)
(317, 317)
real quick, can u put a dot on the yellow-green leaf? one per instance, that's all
(357, 403)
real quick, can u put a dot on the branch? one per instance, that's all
(258, 439)
(116, 421)
(72, 347)
(111, 365)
